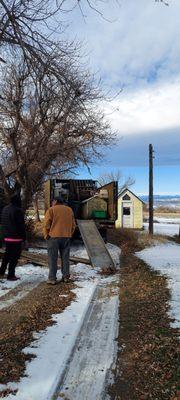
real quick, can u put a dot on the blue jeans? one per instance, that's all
(61, 245)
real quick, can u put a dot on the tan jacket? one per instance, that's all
(59, 222)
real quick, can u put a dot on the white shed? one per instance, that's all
(130, 210)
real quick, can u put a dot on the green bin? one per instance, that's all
(99, 214)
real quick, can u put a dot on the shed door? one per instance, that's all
(127, 217)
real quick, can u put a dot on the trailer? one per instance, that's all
(88, 201)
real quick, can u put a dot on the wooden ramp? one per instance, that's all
(95, 246)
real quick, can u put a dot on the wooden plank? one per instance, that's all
(42, 259)
(76, 260)
(95, 246)
(37, 259)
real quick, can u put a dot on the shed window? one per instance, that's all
(126, 211)
(126, 197)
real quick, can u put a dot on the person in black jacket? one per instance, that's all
(13, 228)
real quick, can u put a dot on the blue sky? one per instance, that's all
(139, 51)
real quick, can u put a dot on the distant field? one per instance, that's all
(164, 201)
(160, 214)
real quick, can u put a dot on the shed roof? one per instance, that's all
(127, 190)
(90, 198)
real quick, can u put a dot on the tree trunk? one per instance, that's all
(36, 208)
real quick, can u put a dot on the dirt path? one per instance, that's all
(86, 372)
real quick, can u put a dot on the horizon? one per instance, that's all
(160, 194)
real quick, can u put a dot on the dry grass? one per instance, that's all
(170, 210)
(130, 241)
(126, 239)
(146, 240)
(34, 230)
(38, 230)
(147, 366)
(159, 213)
(31, 314)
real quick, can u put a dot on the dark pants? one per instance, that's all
(11, 257)
(61, 245)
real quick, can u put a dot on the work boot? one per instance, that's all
(66, 279)
(51, 282)
(13, 278)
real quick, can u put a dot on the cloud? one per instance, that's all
(132, 150)
(140, 46)
(152, 109)
(139, 51)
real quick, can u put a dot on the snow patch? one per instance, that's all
(165, 258)
(53, 347)
(28, 274)
(164, 228)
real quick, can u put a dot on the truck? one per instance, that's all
(87, 199)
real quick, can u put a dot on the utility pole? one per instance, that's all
(151, 210)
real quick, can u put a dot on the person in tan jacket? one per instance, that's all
(59, 226)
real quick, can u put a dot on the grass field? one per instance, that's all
(161, 214)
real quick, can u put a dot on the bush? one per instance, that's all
(34, 230)
(126, 239)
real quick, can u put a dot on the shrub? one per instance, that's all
(126, 239)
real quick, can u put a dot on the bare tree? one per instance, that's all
(30, 24)
(47, 126)
(36, 207)
(116, 176)
(166, 3)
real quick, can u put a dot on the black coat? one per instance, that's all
(13, 224)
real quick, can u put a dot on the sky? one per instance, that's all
(135, 48)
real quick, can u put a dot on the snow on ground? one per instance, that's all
(53, 348)
(167, 229)
(166, 259)
(167, 220)
(28, 275)
(41, 216)
(87, 372)
(31, 276)
(54, 345)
